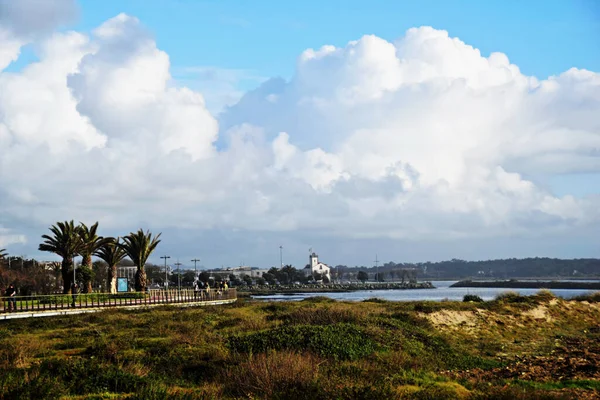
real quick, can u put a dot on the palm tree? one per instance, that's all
(3, 254)
(66, 243)
(138, 247)
(90, 242)
(111, 252)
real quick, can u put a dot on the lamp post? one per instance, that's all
(166, 274)
(281, 256)
(178, 275)
(195, 261)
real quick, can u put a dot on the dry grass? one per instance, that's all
(20, 351)
(276, 372)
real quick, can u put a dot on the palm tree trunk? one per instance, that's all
(112, 279)
(87, 285)
(66, 271)
(140, 280)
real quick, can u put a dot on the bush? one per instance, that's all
(339, 341)
(89, 376)
(511, 297)
(589, 297)
(318, 299)
(321, 316)
(282, 375)
(472, 297)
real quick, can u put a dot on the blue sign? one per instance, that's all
(122, 285)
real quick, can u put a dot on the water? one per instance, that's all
(442, 291)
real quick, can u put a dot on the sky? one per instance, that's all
(411, 131)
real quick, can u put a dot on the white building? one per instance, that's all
(316, 267)
(126, 272)
(240, 271)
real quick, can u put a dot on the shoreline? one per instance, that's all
(335, 288)
(514, 284)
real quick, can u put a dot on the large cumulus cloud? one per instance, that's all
(419, 138)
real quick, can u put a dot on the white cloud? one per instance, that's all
(7, 238)
(222, 87)
(423, 138)
(25, 20)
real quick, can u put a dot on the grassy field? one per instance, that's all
(514, 347)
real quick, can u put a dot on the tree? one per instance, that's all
(100, 269)
(3, 254)
(138, 247)
(362, 276)
(155, 274)
(90, 243)
(66, 243)
(287, 272)
(269, 277)
(188, 278)
(204, 276)
(392, 274)
(112, 253)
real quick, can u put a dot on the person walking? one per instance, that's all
(11, 293)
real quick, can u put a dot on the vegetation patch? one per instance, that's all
(310, 349)
(339, 341)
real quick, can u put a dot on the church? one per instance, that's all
(316, 267)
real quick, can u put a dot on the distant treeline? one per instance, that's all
(499, 269)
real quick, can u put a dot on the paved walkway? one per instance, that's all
(70, 311)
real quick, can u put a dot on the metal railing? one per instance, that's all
(100, 300)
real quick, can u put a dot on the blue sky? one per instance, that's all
(224, 48)
(542, 37)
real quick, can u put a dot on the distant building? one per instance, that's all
(316, 267)
(238, 272)
(126, 272)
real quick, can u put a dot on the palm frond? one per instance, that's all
(111, 251)
(90, 241)
(64, 240)
(139, 246)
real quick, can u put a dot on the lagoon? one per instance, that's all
(442, 291)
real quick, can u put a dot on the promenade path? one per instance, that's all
(66, 304)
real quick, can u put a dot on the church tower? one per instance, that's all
(314, 261)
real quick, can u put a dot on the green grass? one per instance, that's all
(316, 348)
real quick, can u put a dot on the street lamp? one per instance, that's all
(281, 256)
(195, 261)
(166, 275)
(178, 274)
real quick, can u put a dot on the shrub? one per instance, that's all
(472, 297)
(593, 297)
(319, 299)
(375, 300)
(339, 341)
(511, 297)
(321, 316)
(284, 375)
(90, 376)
